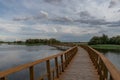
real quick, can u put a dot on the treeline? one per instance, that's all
(43, 41)
(34, 41)
(104, 39)
(39, 41)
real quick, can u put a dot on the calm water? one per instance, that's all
(113, 56)
(15, 55)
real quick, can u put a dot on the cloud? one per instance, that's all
(44, 14)
(85, 15)
(41, 15)
(10, 26)
(11, 31)
(114, 24)
(53, 1)
(61, 19)
(114, 3)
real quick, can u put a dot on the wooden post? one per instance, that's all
(31, 70)
(111, 77)
(62, 63)
(3, 78)
(48, 69)
(41, 78)
(106, 73)
(53, 75)
(56, 66)
(65, 60)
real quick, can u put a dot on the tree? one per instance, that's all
(95, 40)
(104, 40)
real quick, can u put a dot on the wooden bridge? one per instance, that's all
(77, 63)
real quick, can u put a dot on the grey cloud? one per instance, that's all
(53, 1)
(92, 21)
(118, 10)
(41, 15)
(114, 24)
(85, 15)
(112, 4)
(30, 31)
(21, 18)
(62, 19)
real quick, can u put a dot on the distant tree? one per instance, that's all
(95, 40)
(104, 40)
(42, 41)
(115, 40)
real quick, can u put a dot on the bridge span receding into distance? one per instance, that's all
(77, 63)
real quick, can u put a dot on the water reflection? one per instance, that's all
(113, 56)
(14, 55)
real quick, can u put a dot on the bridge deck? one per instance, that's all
(80, 68)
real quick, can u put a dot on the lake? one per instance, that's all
(15, 55)
(113, 56)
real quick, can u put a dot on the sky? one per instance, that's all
(65, 20)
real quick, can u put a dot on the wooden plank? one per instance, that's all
(80, 68)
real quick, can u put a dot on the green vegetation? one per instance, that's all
(42, 41)
(104, 40)
(106, 46)
(34, 42)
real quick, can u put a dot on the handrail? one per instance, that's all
(65, 59)
(106, 70)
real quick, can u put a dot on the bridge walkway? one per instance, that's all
(80, 68)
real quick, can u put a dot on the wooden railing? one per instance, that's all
(105, 68)
(60, 65)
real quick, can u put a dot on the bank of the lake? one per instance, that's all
(106, 46)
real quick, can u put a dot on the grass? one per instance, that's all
(106, 46)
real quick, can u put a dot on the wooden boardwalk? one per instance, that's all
(80, 68)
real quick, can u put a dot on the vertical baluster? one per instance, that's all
(56, 67)
(111, 77)
(41, 78)
(53, 75)
(100, 69)
(106, 73)
(31, 70)
(65, 60)
(48, 69)
(69, 56)
(62, 63)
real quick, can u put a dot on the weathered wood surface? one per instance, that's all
(81, 68)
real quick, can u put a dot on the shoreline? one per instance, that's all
(106, 46)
